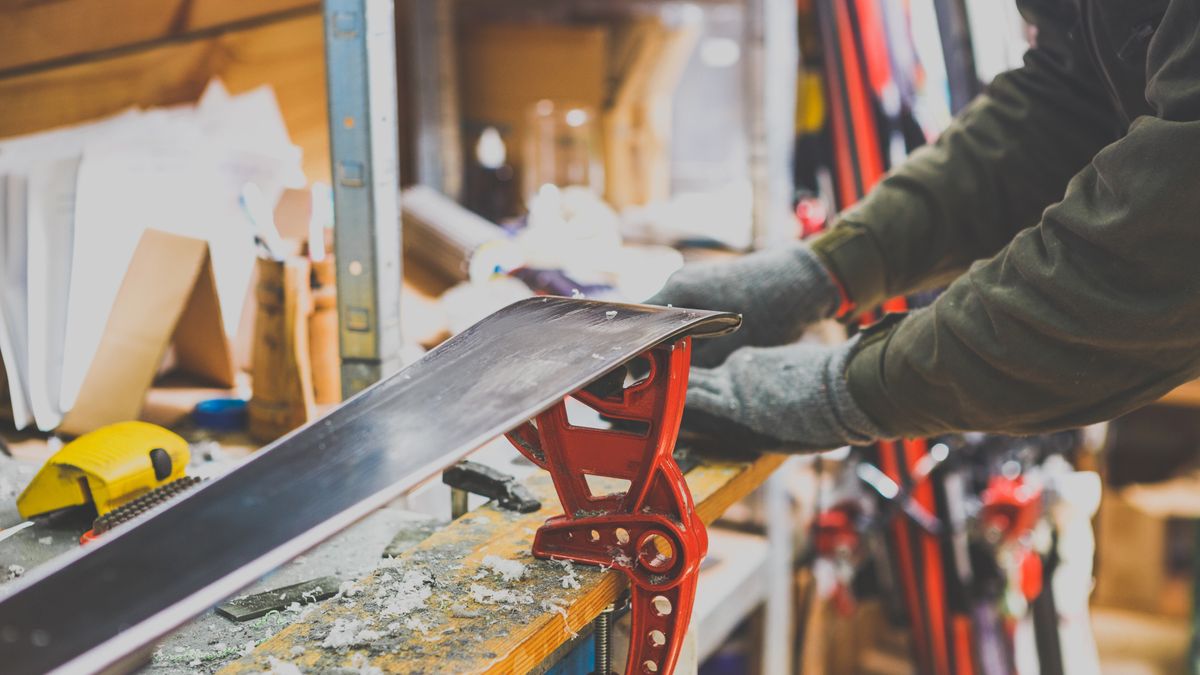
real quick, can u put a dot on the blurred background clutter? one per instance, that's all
(189, 234)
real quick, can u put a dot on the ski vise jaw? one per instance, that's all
(650, 531)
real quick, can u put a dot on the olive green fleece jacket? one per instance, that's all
(1063, 208)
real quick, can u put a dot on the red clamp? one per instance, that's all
(651, 530)
(1011, 507)
(835, 531)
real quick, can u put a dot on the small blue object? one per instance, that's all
(221, 414)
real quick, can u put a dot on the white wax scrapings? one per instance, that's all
(570, 579)
(503, 596)
(507, 570)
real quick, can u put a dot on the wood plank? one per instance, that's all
(1130, 566)
(289, 55)
(38, 32)
(453, 632)
(507, 68)
(1133, 642)
(1185, 395)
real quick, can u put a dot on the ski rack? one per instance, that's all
(650, 531)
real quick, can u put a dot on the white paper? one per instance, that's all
(93, 189)
(18, 156)
(51, 219)
(182, 173)
(19, 153)
(12, 295)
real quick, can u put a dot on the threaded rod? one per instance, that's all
(603, 636)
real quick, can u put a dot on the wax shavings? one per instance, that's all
(359, 662)
(342, 634)
(619, 557)
(409, 594)
(559, 606)
(507, 570)
(571, 578)
(503, 596)
(365, 635)
(280, 667)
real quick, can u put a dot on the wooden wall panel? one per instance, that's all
(33, 32)
(288, 54)
(506, 68)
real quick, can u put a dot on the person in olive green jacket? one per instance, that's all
(1062, 207)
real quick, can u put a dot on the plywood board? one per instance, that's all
(1130, 567)
(39, 32)
(1185, 395)
(169, 277)
(289, 55)
(507, 68)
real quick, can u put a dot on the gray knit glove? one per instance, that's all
(779, 292)
(793, 396)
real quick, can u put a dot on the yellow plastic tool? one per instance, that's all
(108, 467)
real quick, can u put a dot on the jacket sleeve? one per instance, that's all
(1092, 313)
(1006, 157)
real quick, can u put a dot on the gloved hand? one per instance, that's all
(793, 396)
(779, 292)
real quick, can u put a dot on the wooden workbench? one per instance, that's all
(1185, 395)
(458, 627)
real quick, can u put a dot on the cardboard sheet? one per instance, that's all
(167, 292)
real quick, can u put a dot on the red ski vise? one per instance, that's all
(650, 530)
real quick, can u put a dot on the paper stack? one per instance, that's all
(117, 238)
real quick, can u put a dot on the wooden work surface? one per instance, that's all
(1185, 395)
(452, 631)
